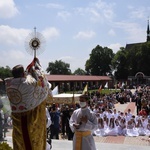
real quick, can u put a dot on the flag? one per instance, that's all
(85, 89)
(123, 84)
(106, 85)
(100, 88)
(55, 91)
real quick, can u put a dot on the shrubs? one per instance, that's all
(5, 146)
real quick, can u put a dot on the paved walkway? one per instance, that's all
(67, 145)
(108, 142)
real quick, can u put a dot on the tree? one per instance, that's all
(79, 71)
(120, 64)
(5, 72)
(139, 58)
(100, 61)
(129, 61)
(58, 67)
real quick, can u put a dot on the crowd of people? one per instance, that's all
(110, 121)
(60, 121)
(5, 121)
(94, 115)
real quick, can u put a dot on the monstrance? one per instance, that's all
(35, 43)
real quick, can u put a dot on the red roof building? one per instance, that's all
(77, 82)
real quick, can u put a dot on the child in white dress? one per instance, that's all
(140, 127)
(106, 121)
(111, 129)
(122, 127)
(131, 131)
(100, 131)
(148, 128)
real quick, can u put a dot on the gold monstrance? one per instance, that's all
(35, 43)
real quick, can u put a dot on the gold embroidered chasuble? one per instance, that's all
(29, 132)
(28, 102)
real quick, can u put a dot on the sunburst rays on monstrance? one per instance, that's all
(35, 43)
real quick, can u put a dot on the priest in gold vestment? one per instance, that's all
(27, 91)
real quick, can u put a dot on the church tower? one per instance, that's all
(148, 32)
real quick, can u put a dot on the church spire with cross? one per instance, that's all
(148, 31)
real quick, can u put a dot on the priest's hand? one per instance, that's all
(76, 125)
(84, 119)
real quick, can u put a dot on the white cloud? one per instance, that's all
(12, 36)
(115, 47)
(94, 13)
(53, 6)
(139, 13)
(64, 15)
(105, 9)
(64, 58)
(85, 35)
(13, 57)
(97, 12)
(134, 31)
(12, 42)
(8, 9)
(50, 33)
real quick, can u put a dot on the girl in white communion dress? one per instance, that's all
(112, 128)
(122, 127)
(101, 129)
(148, 128)
(131, 131)
(140, 127)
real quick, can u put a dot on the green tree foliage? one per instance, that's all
(79, 71)
(119, 64)
(5, 72)
(100, 61)
(138, 57)
(58, 67)
(129, 61)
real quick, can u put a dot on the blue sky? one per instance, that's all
(71, 28)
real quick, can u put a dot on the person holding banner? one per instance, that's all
(83, 122)
(27, 91)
